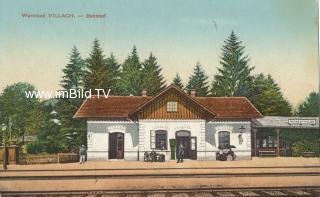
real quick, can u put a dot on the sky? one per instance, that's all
(280, 36)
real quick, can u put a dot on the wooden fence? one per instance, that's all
(48, 158)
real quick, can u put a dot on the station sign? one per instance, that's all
(302, 121)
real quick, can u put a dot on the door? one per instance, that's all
(193, 148)
(183, 137)
(186, 142)
(173, 148)
(116, 146)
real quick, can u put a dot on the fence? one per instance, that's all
(48, 158)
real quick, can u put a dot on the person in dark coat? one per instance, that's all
(180, 153)
(82, 154)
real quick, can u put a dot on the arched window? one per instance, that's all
(224, 138)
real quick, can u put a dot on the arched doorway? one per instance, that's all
(116, 145)
(184, 137)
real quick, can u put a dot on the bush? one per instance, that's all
(35, 147)
(305, 146)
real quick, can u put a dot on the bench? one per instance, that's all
(308, 154)
(270, 153)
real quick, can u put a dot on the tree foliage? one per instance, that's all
(178, 81)
(267, 97)
(67, 107)
(310, 107)
(96, 75)
(15, 105)
(153, 80)
(131, 76)
(198, 81)
(113, 71)
(234, 77)
(74, 71)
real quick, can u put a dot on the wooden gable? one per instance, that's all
(187, 108)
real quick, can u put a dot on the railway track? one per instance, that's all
(208, 192)
(207, 182)
(152, 176)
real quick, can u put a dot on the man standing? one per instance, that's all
(82, 154)
(180, 153)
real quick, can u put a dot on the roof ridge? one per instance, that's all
(220, 97)
(102, 96)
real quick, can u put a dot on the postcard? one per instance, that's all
(159, 98)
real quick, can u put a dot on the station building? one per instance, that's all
(125, 127)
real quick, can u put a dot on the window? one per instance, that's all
(271, 141)
(224, 138)
(158, 139)
(267, 142)
(193, 143)
(172, 106)
(161, 140)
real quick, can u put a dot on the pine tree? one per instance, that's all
(267, 97)
(96, 75)
(311, 106)
(234, 77)
(73, 72)
(153, 80)
(113, 74)
(178, 82)
(131, 76)
(198, 81)
(73, 79)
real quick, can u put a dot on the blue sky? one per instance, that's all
(280, 37)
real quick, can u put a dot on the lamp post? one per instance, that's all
(3, 129)
(242, 128)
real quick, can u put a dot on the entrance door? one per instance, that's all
(116, 146)
(183, 137)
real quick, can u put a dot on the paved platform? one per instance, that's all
(121, 164)
(142, 176)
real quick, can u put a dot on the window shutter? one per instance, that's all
(152, 139)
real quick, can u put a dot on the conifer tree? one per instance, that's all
(267, 97)
(198, 81)
(73, 72)
(66, 107)
(131, 76)
(311, 106)
(178, 81)
(114, 72)
(96, 75)
(153, 80)
(234, 77)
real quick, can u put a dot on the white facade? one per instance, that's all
(137, 137)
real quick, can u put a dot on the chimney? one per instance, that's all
(193, 92)
(144, 92)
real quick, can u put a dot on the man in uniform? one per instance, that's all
(180, 153)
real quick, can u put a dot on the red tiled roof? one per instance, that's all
(230, 107)
(111, 107)
(121, 106)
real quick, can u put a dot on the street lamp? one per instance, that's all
(3, 129)
(242, 128)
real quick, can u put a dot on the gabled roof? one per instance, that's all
(124, 106)
(172, 87)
